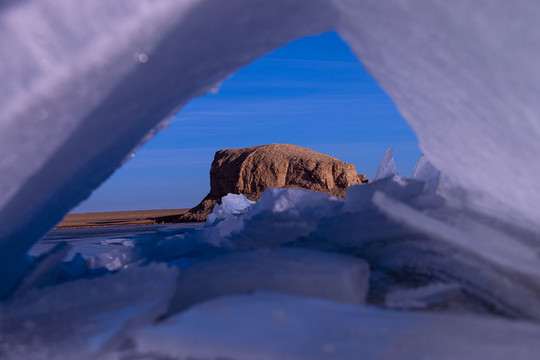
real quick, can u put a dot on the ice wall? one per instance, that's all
(84, 83)
(465, 76)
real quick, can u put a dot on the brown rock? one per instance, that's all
(250, 171)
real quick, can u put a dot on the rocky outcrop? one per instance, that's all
(252, 170)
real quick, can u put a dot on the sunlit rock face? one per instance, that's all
(84, 84)
(250, 171)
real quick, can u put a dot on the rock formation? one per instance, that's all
(252, 170)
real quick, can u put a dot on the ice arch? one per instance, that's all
(84, 82)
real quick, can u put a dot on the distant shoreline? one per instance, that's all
(111, 218)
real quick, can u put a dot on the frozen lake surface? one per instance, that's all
(90, 241)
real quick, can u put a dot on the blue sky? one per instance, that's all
(312, 92)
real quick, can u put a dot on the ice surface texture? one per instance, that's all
(274, 327)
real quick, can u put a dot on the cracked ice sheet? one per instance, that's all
(270, 326)
(358, 226)
(81, 319)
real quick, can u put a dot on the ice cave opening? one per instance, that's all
(65, 119)
(312, 92)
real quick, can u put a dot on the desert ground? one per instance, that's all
(139, 217)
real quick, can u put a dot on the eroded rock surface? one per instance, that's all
(252, 170)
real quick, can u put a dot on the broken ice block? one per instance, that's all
(231, 204)
(295, 271)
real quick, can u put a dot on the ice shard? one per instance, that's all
(424, 171)
(387, 166)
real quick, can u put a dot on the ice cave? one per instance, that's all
(84, 84)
